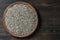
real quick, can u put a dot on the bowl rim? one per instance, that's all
(4, 23)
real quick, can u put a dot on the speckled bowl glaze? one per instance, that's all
(6, 26)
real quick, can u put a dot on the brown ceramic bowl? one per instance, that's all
(19, 35)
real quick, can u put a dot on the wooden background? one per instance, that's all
(49, 20)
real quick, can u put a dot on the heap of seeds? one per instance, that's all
(20, 19)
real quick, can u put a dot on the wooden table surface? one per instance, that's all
(49, 20)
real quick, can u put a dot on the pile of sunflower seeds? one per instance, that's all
(20, 19)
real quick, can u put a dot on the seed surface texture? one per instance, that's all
(20, 19)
